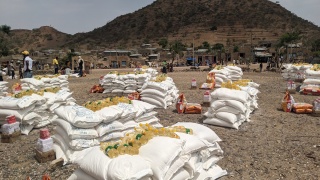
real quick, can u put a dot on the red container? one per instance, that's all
(44, 133)
(11, 119)
(193, 83)
(180, 107)
(206, 97)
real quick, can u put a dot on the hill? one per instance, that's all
(44, 37)
(240, 23)
(215, 21)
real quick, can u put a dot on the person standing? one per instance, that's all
(55, 65)
(27, 65)
(261, 67)
(1, 73)
(8, 69)
(20, 71)
(12, 70)
(164, 67)
(80, 66)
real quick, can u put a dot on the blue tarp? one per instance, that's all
(191, 59)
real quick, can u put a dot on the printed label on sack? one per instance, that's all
(288, 106)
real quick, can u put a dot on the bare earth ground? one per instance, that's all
(274, 145)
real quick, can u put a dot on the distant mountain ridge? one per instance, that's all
(216, 21)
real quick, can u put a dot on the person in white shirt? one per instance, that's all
(27, 65)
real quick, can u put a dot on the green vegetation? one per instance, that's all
(6, 29)
(163, 43)
(289, 38)
(176, 47)
(4, 43)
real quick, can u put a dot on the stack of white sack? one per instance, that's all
(151, 71)
(39, 113)
(45, 82)
(189, 157)
(3, 88)
(295, 71)
(221, 75)
(313, 73)
(119, 119)
(161, 94)
(74, 131)
(230, 108)
(310, 86)
(234, 72)
(24, 109)
(53, 100)
(128, 83)
(225, 74)
(107, 82)
(142, 79)
(252, 90)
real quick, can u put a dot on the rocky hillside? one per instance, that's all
(216, 21)
(229, 22)
(44, 37)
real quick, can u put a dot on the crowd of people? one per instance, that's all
(25, 68)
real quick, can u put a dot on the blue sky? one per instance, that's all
(72, 16)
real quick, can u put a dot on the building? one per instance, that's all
(117, 58)
(261, 55)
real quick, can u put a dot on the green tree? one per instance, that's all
(219, 48)
(315, 45)
(206, 45)
(6, 29)
(236, 49)
(176, 47)
(289, 38)
(163, 43)
(4, 51)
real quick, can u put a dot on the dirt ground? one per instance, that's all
(274, 145)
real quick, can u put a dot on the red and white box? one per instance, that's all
(45, 145)
(10, 128)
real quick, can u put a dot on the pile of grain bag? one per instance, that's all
(33, 110)
(40, 82)
(191, 156)
(296, 72)
(224, 74)
(311, 85)
(78, 128)
(230, 108)
(234, 72)
(74, 130)
(119, 119)
(23, 109)
(160, 94)
(151, 71)
(221, 75)
(3, 88)
(126, 83)
(313, 72)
